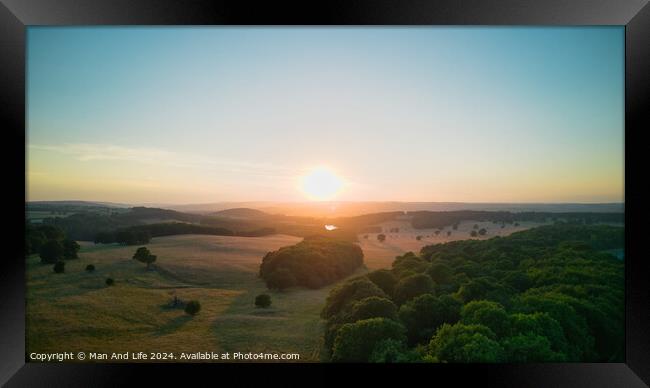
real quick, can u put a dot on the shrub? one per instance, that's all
(59, 267)
(193, 307)
(90, 268)
(263, 300)
(381, 237)
(110, 281)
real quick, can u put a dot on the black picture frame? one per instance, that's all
(16, 15)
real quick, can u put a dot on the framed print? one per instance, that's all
(452, 189)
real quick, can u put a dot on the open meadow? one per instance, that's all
(76, 311)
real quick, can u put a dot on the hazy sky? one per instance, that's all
(191, 115)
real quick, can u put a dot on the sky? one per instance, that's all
(200, 115)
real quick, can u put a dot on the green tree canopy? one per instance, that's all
(413, 286)
(487, 313)
(384, 279)
(355, 342)
(466, 344)
(423, 315)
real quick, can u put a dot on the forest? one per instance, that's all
(313, 263)
(428, 219)
(548, 294)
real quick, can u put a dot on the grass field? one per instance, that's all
(76, 311)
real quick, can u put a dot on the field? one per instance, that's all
(381, 254)
(76, 311)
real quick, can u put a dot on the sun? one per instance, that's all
(321, 184)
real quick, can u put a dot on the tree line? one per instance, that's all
(50, 243)
(548, 294)
(142, 234)
(429, 219)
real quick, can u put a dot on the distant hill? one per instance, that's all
(350, 209)
(77, 203)
(241, 212)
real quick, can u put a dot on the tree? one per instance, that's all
(372, 307)
(413, 286)
(487, 313)
(51, 252)
(110, 281)
(409, 262)
(36, 236)
(263, 300)
(440, 273)
(193, 307)
(473, 233)
(541, 324)
(530, 348)
(482, 231)
(90, 268)
(381, 237)
(59, 267)
(448, 233)
(580, 343)
(475, 226)
(355, 342)
(70, 249)
(280, 279)
(144, 256)
(465, 343)
(314, 262)
(350, 292)
(384, 279)
(393, 351)
(423, 315)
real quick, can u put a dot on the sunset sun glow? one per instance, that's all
(321, 184)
